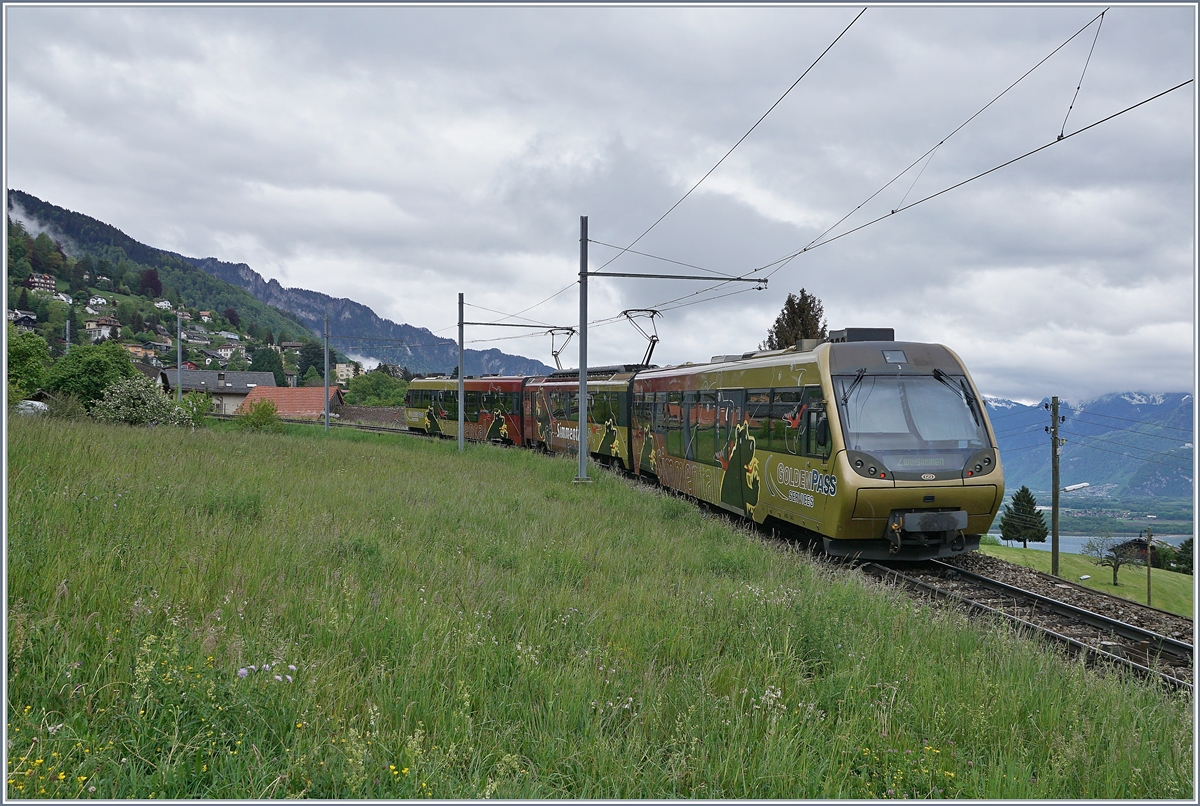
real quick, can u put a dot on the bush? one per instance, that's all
(89, 369)
(138, 401)
(261, 415)
(66, 407)
(196, 404)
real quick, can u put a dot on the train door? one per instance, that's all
(815, 447)
(733, 451)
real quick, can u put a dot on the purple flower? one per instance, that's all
(266, 667)
(242, 673)
(280, 679)
(290, 666)
(252, 668)
(289, 677)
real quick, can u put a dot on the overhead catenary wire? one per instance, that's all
(1082, 74)
(739, 142)
(957, 185)
(929, 153)
(1086, 413)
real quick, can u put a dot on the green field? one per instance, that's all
(476, 625)
(1168, 590)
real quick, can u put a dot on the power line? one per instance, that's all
(929, 153)
(813, 246)
(739, 142)
(1086, 413)
(656, 257)
(1129, 447)
(1136, 458)
(1081, 75)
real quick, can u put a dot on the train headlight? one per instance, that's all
(978, 468)
(872, 470)
(858, 463)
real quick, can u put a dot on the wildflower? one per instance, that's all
(289, 677)
(266, 667)
(280, 679)
(242, 672)
(290, 666)
(62, 776)
(252, 668)
(81, 778)
(91, 789)
(299, 724)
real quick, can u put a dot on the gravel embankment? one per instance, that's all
(1180, 628)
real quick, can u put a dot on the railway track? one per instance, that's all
(1099, 638)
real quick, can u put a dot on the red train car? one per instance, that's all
(492, 407)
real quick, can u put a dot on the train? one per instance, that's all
(879, 449)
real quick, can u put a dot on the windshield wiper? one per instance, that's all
(961, 388)
(858, 376)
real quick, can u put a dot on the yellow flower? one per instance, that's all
(62, 776)
(81, 778)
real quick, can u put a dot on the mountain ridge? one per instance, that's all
(362, 331)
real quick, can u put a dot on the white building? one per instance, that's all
(163, 304)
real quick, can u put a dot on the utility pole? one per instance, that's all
(67, 349)
(326, 371)
(1055, 453)
(1149, 562)
(462, 385)
(581, 441)
(179, 355)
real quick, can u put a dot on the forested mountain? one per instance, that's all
(420, 350)
(217, 285)
(1126, 444)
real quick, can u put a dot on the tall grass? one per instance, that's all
(476, 625)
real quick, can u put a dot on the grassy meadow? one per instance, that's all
(1168, 590)
(222, 614)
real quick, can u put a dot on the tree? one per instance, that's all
(86, 371)
(1022, 520)
(802, 317)
(1183, 557)
(149, 285)
(237, 363)
(267, 360)
(28, 360)
(312, 378)
(125, 312)
(376, 389)
(311, 355)
(232, 317)
(1107, 552)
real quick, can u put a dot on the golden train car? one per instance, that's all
(492, 410)
(881, 448)
(552, 412)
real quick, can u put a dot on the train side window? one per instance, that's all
(704, 438)
(816, 432)
(758, 415)
(472, 405)
(660, 413)
(787, 420)
(673, 421)
(450, 405)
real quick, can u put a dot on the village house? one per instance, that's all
(40, 282)
(227, 335)
(63, 296)
(23, 320)
(227, 389)
(305, 403)
(205, 316)
(163, 304)
(344, 372)
(104, 327)
(97, 300)
(139, 352)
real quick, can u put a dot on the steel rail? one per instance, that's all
(1164, 644)
(1071, 643)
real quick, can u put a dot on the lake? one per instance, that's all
(1073, 544)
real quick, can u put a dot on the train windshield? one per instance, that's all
(910, 416)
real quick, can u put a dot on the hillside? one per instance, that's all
(356, 616)
(1130, 444)
(216, 285)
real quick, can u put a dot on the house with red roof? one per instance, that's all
(303, 403)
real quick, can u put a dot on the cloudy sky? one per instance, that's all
(401, 155)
